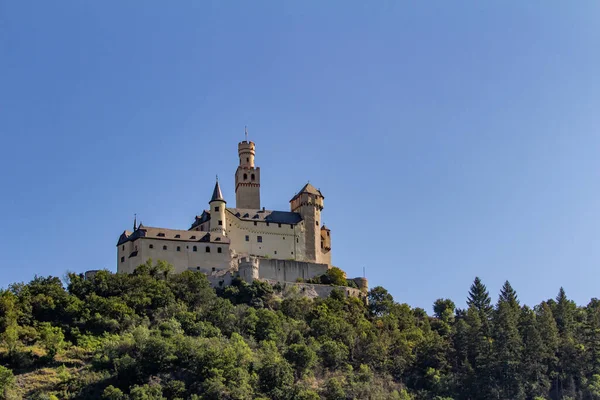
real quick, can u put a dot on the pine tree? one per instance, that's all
(509, 295)
(479, 298)
(533, 368)
(507, 348)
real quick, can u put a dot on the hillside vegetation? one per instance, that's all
(156, 335)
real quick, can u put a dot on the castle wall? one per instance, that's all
(185, 258)
(285, 242)
(313, 290)
(289, 271)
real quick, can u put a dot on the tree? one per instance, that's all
(480, 299)
(507, 349)
(380, 301)
(444, 310)
(508, 295)
(334, 276)
(302, 357)
(7, 381)
(52, 338)
(536, 382)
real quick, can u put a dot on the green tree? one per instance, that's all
(380, 301)
(534, 370)
(479, 298)
(443, 309)
(302, 357)
(52, 338)
(7, 381)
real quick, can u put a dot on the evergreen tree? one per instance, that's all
(507, 349)
(509, 295)
(534, 372)
(479, 298)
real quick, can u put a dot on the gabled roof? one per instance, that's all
(276, 217)
(200, 219)
(308, 188)
(217, 195)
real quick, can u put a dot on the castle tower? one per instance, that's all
(247, 178)
(309, 203)
(217, 211)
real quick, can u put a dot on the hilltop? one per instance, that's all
(157, 335)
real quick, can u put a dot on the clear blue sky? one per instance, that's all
(450, 139)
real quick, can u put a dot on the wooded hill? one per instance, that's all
(156, 335)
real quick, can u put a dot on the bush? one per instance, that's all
(7, 381)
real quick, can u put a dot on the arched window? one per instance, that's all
(208, 249)
(195, 248)
(245, 176)
(219, 250)
(164, 247)
(252, 177)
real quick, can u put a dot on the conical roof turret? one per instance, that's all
(217, 195)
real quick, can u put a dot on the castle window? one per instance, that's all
(164, 247)
(245, 177)
(208, 249)
(123, 248)
(297, 240)
(255, 223)
(252, 177)
(279, 225)
(247, 159)
(177, 236)
(327, 233)
(220, 222)
(292, 252)
(259, 239)
(275, 251)
(216, 208)
(160, 234)
(317, 222)
(198, 268)
(213, 269)
(321, 244)
(193, 237)
(284, 238)
(178, 248)
(247, 238)
(202, 228)
(195, 248)
(291, 226)
(151, 246)
(122, 259)
(219, 250)
(267, 224)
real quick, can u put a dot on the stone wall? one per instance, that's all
(311, 290)
(288, 270)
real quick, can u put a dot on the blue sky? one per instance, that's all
(450, 139)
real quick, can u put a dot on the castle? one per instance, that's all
(247, 241)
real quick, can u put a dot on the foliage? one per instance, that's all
(157, 335)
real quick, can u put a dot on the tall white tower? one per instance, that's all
(247, 178)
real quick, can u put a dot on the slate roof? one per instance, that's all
(200, 219)
(171, 235)
(308, 188)
(276, 217)
(217, 195)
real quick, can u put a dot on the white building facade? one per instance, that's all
(219, 239)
